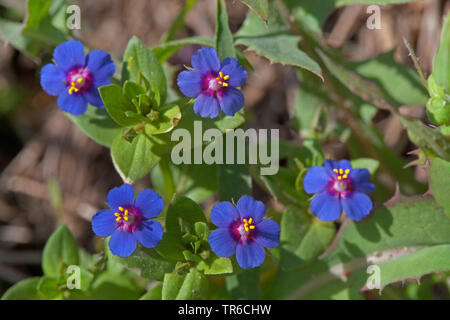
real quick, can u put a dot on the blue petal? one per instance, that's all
(190, 83)
(149, 203)
(326, 207)
(250, 254)
(357, 206)
(120, 197)
(100, 66)
(74, 104)
(231, 100)
(122, 243)
(53, 79)
(361, 180)
(104, 223)
(222, 242)
(316, 180)
(231, 67)
(93, 97)
(341, 164)
(206, 61)
(149, 233)
(223, 214)
(206, 106)
(250, 208)
(69, 55)
(268, 233)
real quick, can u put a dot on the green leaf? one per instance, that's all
(154, 293)
(416, 264)
(401, 83)
(428, 139)
(37, 11)
(441, 62)
(260, 7)
(164, 51)
(168, 118)
(59, 252)
(197, 182)
(303, 238)
(439, 185)
(235, 182)
(215, 265)
(23, 290)
(282, 49)
(186, 210)
(270, 41)
(48, 287)
(366, 163)
(138, 59)
(113, 286)
(244, 285)
(97, 125)
(178, 23)
(171, 286)
(133, 160)
(193, 287)
(149, 262)
(399, 228)
(224, 37)
(117, 105)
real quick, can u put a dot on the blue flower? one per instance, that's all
(242, 230)
(75, 79)
(213, 84)
(339, 187)
(129, 221)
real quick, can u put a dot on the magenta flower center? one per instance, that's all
(79, 80)
(216, 83)
(128, 218)
(244, 230)
(340, 184)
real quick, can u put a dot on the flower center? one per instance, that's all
(127, 218)
(340, 185)
(79, 80)
(218, 82)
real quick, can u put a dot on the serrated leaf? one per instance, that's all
(441, 62)
(399, 228)
(282, 48)
(260, 7)
(439, 183)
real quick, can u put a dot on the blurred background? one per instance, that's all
(51, 172)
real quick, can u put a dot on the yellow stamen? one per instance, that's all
(335, 170)
(250, 221)
(225, 84)
(226, 77)
(118, 218)
(341, 171)
(120, 209)
(80, 80)
(117, 214)
(252, 227)
(339, 178)
(221, 74)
